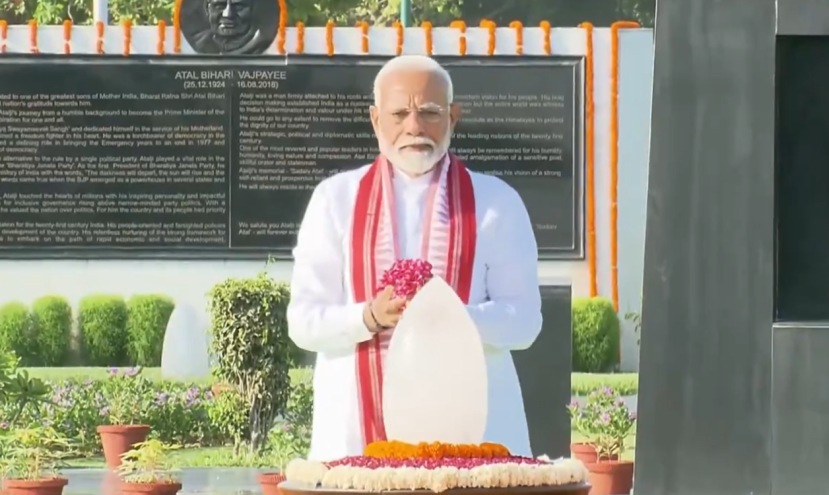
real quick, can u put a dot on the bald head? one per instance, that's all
(407, 65)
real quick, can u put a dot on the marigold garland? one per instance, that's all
(545, 28)
(177, 27)
(127, 24)
(162, 38)
(434, 450)
(427, 35)
(283, 27)
(99, 42)
(461, 26)
(300, 37)
(614, 157)
(590, 139)
(363, 25)
(329, 38)
(33, 36)
(490, 42)
(4, 33)
(398, 26)
(67, 37)
(519, 36)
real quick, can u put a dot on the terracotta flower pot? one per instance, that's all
(50, 486)
(269, 482)
(586, 452)
(157, 488)
(611, 477)
(119, 439)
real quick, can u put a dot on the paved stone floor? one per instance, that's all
(204, 481)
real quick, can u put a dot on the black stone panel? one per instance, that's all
(800, 409)
(802, 17)
(802, 201)
(705, 359)
(544, 373)
(217, 157)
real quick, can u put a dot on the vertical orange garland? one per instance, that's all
(99, 42)
(398, 27)
(545, 28)
(427, 34)
(33, 36)
(4, 33)
(161, 46)
(519, 36)
(67, 37)
(283, 27)
(177, 27)
(363, 25)
(329, 38)
(127, 24)
(590, 165)
(490, 30)
(614, 157)
(300, 37)
(460, 25)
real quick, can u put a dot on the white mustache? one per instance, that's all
(418, 142)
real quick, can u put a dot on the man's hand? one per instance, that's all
(384, 311)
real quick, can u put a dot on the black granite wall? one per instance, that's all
(705, 360)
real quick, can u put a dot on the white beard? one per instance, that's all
(415, 163)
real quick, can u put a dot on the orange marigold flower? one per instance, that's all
(434, 450)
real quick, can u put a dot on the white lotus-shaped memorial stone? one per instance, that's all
(435, 379)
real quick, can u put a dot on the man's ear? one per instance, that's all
(454, 114)
(374, 113)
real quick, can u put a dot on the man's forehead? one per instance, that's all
(414, 85)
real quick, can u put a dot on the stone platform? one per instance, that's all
(203, 481)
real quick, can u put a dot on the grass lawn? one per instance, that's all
(581, 383)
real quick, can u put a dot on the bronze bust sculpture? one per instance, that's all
(229, 27)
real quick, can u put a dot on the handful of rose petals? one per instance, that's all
(407, 277)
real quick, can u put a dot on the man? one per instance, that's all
(415, 201)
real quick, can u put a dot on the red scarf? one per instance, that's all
(449, 242)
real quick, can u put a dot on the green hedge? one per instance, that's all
(17, 332)
(102, 321)
(147, 317)
(52, 320)
(595, 335)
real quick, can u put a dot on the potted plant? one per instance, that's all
(292, 438)
(29, 461)
(127, 393)
(606, 422)
(145, 469)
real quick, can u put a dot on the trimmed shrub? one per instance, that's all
(102, 320)
(147, 317)
(52, 320)
(250, 341)
(595, 335)
(16, 332)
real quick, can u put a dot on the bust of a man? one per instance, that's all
(231, 23)
(231, 27)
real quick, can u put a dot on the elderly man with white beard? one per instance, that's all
(416, 201)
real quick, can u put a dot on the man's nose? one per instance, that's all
(228, 11)
(413, 124)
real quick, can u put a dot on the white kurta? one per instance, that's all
(505, 302)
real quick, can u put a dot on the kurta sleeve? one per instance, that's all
(320, 317)
(511, 318)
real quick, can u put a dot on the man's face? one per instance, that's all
(413, 120)
(229, 18)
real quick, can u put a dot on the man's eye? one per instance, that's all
(401, 114)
